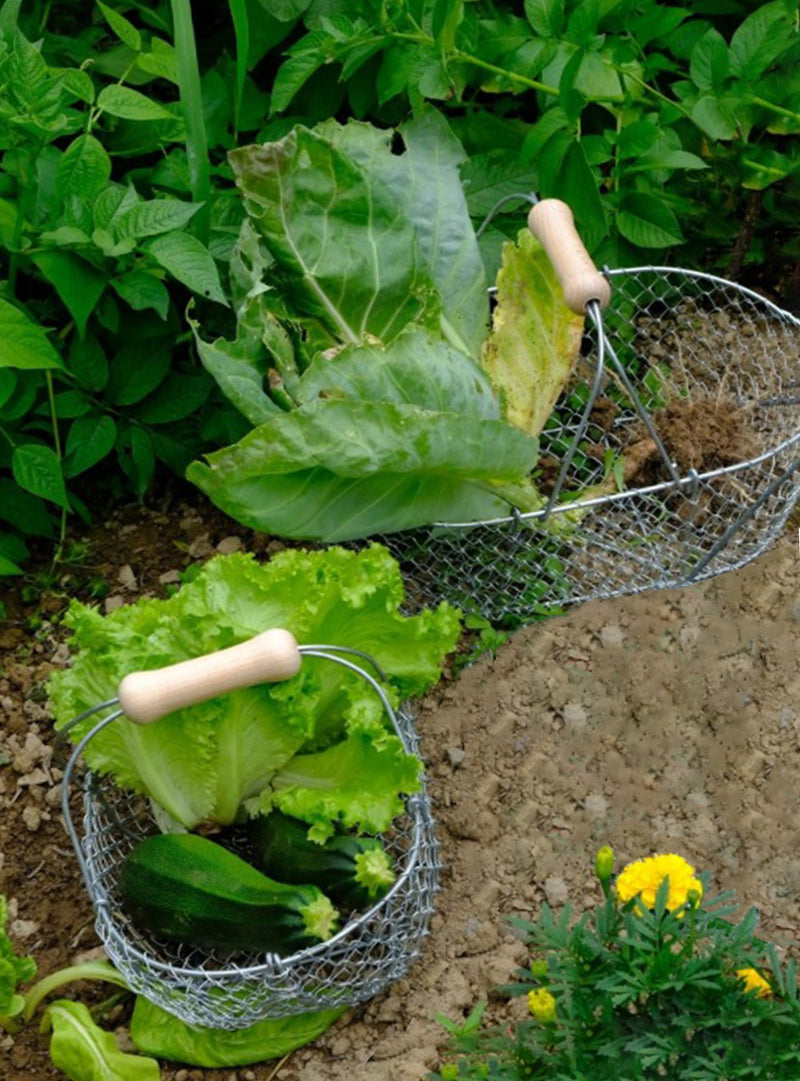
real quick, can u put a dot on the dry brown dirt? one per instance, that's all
(666, 721)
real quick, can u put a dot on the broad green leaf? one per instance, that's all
(309, 54)
(79, 284)
(111, 203)
(152, 217)
(762, 166)
(89, 440)
(417, 368)
(65, 236)
(710, 63)
(69, 404)
(647, 221)
(85, 1052)
(578, 188)
(160, 61)
(715, 115)
(142, 290)
(23, 343)
(547, 17)
(9, 211)
(36, 468)
(142, 460)
(164, 1036)
(88, 362)
(26, 512)
(637, 138)
(189, 261)
(535, 338)
(125, 30)
(425, 182)
(349, 257)
(8, 567)
(137, 369)
(761, 38)
(239, 368)
(335, 470)
(129, 104)
(667, 159)
(77, 81)
(178, 396)
(8, 384)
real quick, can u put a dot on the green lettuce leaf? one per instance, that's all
(13, 971)
(202, 763)
(86, 1052)
(535, 338)
(158, 1033)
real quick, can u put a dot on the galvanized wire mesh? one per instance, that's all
(704, 358)
(231, 991)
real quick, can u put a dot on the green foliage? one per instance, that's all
(624, 108)
(629, 992)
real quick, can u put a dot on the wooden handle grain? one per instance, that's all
(552, 224)
(267, 658)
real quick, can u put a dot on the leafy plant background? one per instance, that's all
(666, 127)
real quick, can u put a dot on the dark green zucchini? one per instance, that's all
(188, 889)
(353, 871)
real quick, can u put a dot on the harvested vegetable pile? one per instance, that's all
(363, 322)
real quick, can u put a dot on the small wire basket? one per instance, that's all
(227, 991)
(676, 353)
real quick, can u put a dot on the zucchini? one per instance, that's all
(188, 889)
(353, 871)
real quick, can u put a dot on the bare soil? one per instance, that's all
(667, 721)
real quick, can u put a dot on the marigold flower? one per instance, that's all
(542, 1005)
(642, 879)
(754, 981)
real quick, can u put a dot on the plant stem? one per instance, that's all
(90, 970)
(192, 107)
(241, 27)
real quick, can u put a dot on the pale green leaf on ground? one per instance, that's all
(85, 1052)
(535, 338)
(79, 283)
(164, 1036)
(23, 343)
(190, 261)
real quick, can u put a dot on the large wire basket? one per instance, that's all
(682, 421)
(226, 991)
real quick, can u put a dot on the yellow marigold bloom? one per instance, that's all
(643, 877)
(754, 981)
(542, 1005)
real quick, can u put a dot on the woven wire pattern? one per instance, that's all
(684, 339)
(233, 991)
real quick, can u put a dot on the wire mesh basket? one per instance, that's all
(231, 991)
(681, 419)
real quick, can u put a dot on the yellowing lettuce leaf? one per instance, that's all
(535, 338)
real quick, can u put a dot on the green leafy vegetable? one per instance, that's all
(158, 1033)
(85, 1052)
(535, 338)
(13, 970)
(265, 743)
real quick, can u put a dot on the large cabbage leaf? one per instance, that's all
(200, 764)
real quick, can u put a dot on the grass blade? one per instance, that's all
(241, 26)
(192, 106)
